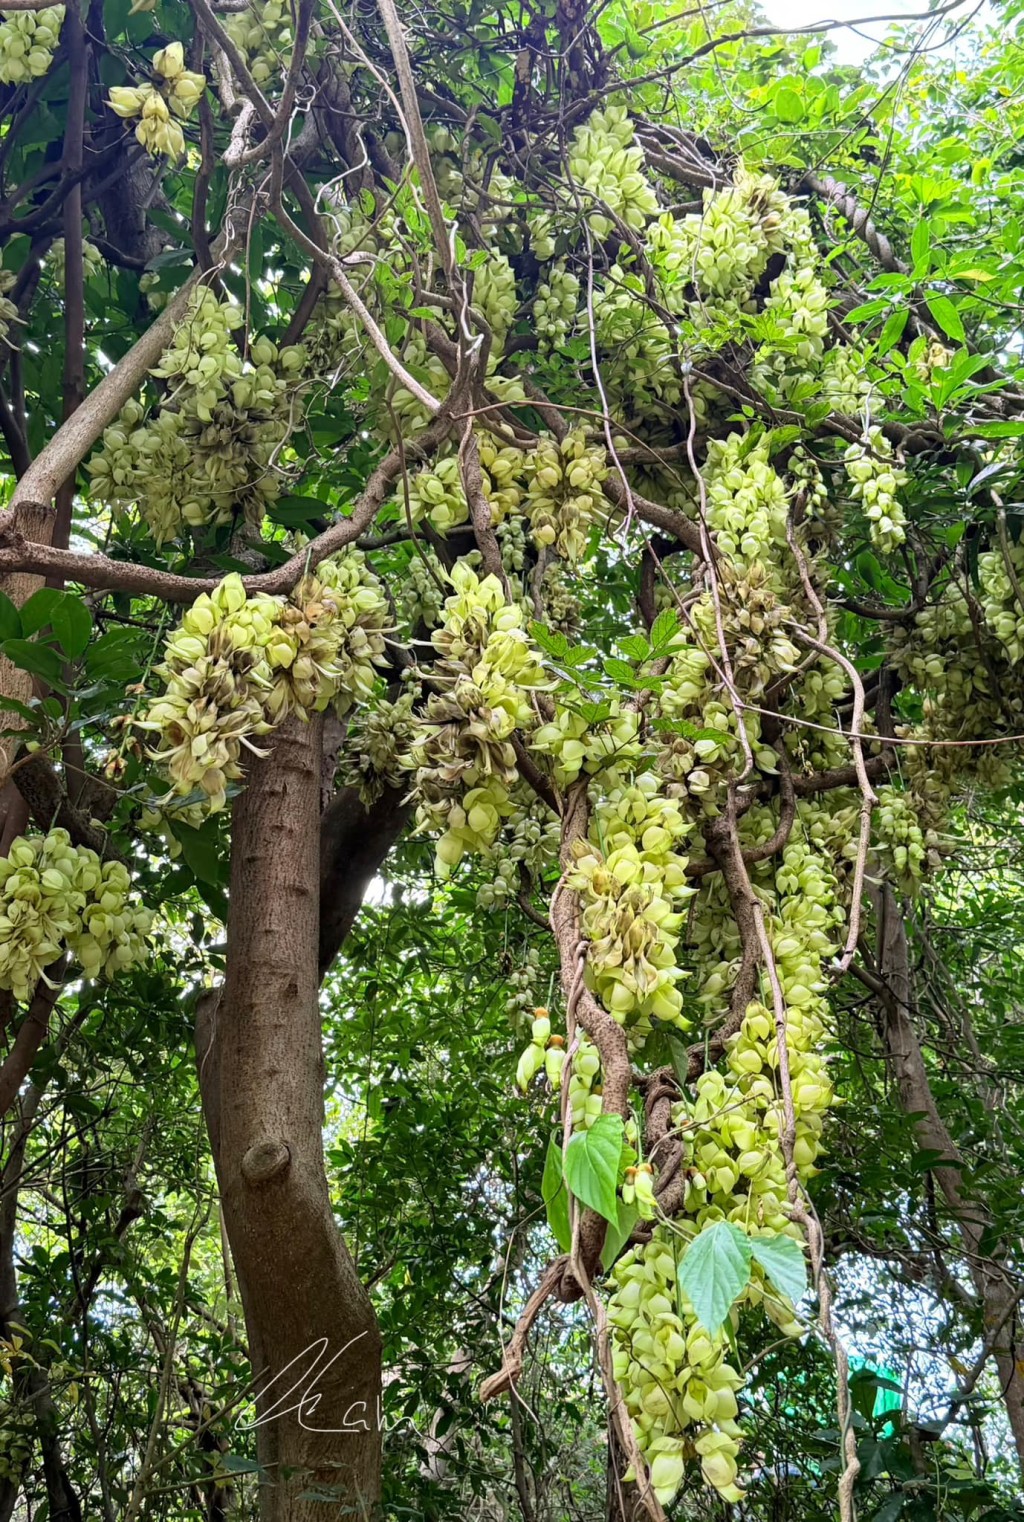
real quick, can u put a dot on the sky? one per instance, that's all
(853, 45)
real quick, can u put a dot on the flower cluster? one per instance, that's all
(437, 492)
(238, 666)
(529, 839)
(1000, 599)
(56, 896)
(93, 261)
(265, 34)
(174, 94)
(679, 1387)
(462, 753)
(607, 166)
(747, 504)
(28, 40)
(554, 306)
(494, 295)
(209, 452)
(907, 848)
(544, 1051)
(564, 492)
(877, 478)
(631, 882)
(584, 1087)
(724, 250)
(576, 746)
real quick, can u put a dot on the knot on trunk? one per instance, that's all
(266, 1160)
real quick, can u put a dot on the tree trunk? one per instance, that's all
(313, 1337)
(996, 1290)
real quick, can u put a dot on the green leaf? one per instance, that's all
(71, 623)
(113, 657)
(635, 646)
(619, 671)
(715, 1269)
(10, 618)
(664, 629)
(618, 1234)
(920, 247)
(291, 510)
(36, 612)
(890, 1507)
(31, 715)
(869, 568)
(998, 430)
(201, 851)
(42, 660)
(556, 1195)
(867, 309)
(592, 1165)
(551, 641)
(578, 655)
(789, 108)
(947, 317)
(235, 1464)
(893, 330)
(783, 1261)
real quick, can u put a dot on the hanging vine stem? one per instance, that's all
(868, 796)
(723, 663)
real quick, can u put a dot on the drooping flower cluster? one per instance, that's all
(174, 93)
(437, 492)
(544, 1051)
(494, 295)
(905, 847)
(607, 166)
(529, 840)
(463, 756)
(564, 493)
(554, 306)
(93, 261)
(679, 1385)
(265, 34)
(877, 479)
(725, 249)
(584, 1086)
(28, 40)
(210, 451)
(632, 883)
(577, 746)
(238, 666)
(55, 897)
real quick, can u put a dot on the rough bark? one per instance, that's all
(261, 1074)
(997, 1289)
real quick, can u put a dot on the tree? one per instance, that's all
(488, 458)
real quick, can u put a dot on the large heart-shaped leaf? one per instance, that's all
(715, 1269)
(556, 1195)
(783, 1261)
(618, 1234)
(592, 1165)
